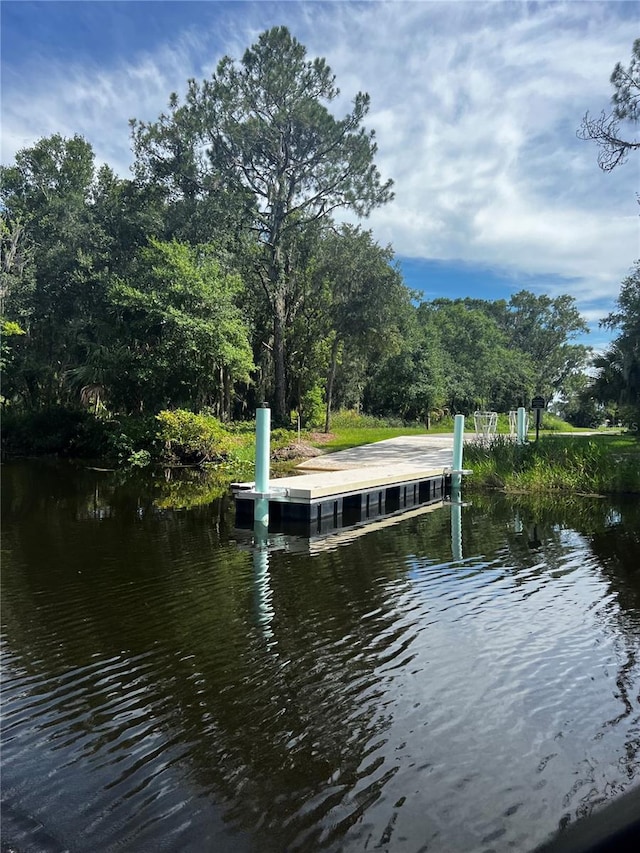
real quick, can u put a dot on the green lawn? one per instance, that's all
(344, 438)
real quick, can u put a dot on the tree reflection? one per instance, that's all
(148, 623)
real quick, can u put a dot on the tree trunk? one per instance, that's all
(330, 380)
(227, 395)
(279, 365)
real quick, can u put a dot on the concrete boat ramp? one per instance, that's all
(356, 485)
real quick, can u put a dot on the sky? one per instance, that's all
(475, 106)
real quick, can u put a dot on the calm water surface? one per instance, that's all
(170, 685)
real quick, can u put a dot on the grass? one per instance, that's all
(598, 464)
(343, 439)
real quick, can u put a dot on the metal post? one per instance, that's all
(263, 431)
(458, 441)
(521, 428)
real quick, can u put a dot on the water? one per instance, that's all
(170, 686)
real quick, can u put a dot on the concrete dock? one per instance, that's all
(422, 451)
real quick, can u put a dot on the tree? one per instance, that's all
(542, 328)
(362, 299)
(411, 383)
(181, 337)
(606, 130)
(47, 195)
(618, 376)
(578, 405)
(482, 368)
(275, 149)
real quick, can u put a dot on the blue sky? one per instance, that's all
(475, 107)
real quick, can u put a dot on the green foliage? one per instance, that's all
(57, 293)
(312, 408)
(350, 419)
(187, 342)
(617, 380)
(217, 278)
(276, 154)
(190, 438)
(551, 423)
(139, 459)
(362, 306)
(78, 433)
(8, 329)
(57, 430)
(541, 327)
(480, 367)
(578, 464)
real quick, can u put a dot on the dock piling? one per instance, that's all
(458, 441)
(263, 453)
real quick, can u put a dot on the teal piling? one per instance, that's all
(263, 434)
(261, 485)
(521, 426)
(458, 441)
(261, 512)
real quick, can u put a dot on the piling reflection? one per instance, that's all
(456, 525)
(262, 584)
(295, 693)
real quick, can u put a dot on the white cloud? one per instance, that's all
(475, 107)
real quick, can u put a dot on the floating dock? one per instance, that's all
(327, 499)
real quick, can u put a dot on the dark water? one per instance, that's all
(169, 687)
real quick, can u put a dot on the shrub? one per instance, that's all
(312, 408)
(190, 438)
(350, 419)
(551, 423)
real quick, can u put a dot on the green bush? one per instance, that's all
(350, 419)
(190, 438)
(313, 409)
(551, 423)
(130, 436)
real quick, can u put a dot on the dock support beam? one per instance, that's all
(263, 435)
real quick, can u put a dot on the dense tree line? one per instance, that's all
(217, 276)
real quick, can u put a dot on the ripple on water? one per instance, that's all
(159, 691)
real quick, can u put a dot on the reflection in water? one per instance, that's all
(264, 607)
(456, 525)
(165, 688)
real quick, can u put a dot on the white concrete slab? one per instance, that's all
(421, 450)
(326, 483)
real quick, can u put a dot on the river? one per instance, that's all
(169, 684)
